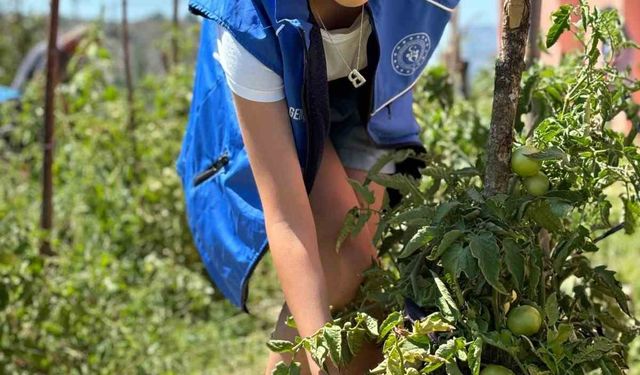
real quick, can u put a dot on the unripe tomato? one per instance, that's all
(496, 370)
(537, 185)
(523, 165)
(524, 320)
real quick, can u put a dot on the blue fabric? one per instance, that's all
(7, 94)
(223, 206)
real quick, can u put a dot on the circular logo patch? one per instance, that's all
(410, 54)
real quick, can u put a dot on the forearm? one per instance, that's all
(295, 253)
(289, 221)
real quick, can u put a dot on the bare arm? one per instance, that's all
(267, 135)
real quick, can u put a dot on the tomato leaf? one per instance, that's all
(458, 259)
(551, 309)
(485, 249)
(280, 346)
(448, 239)
(387, 325)
(514, 261)
(419, 240)
(475, 356)
(446, 303)
(333, 337)
(561, 22)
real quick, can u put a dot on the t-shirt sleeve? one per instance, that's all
(246, 75)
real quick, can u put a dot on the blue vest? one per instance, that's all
(223, 206)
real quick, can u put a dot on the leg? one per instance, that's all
(331, 198)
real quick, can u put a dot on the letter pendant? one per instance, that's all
(356, 78)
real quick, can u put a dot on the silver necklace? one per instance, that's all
(356, 78)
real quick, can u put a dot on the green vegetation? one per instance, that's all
(126, 293)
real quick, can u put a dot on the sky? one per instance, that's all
(478, 12)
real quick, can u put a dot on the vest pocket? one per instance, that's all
(208, 173)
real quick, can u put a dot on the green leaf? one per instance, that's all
(333, 337)
(553, 153)
(475, 195)
(552, 309)
(485, 249)
(380, 369)
(362, 191)
(607, 280)
(432, 323)
(395, 363)
(396, 157)
(475, 356)
(555, 339)
(561, 22)
(419, 240)
(423, 213)
(446, 303)
(355, 339)
(448, 239)
(457, 259)
(394, 319)
(444, 210)
(280, 346)
(350, 223)
(452, 368)
(370, 323)
(541, 213)
(514, 261)
(283, 369)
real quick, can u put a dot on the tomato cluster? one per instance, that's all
(535, 182)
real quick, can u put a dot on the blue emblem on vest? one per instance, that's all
(411, 53)
(223, 207)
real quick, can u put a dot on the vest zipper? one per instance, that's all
(214, 169)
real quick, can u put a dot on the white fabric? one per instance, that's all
(252, 80)
(247, 76)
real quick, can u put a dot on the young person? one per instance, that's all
(291, 99)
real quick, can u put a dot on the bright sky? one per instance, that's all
(478, 12)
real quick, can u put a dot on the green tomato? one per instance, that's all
(537, 185)
(496, 370)
(523, 165)
(524, 320)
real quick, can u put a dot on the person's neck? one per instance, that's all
(334, 15)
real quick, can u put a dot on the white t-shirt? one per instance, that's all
(250, 79)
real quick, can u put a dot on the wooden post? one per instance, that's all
(46, 218)
(509, 68)
(131, 121)
(533, 52)
(457, 66)
(174, 33)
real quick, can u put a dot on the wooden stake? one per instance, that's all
(46, 218)
(174, 33)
